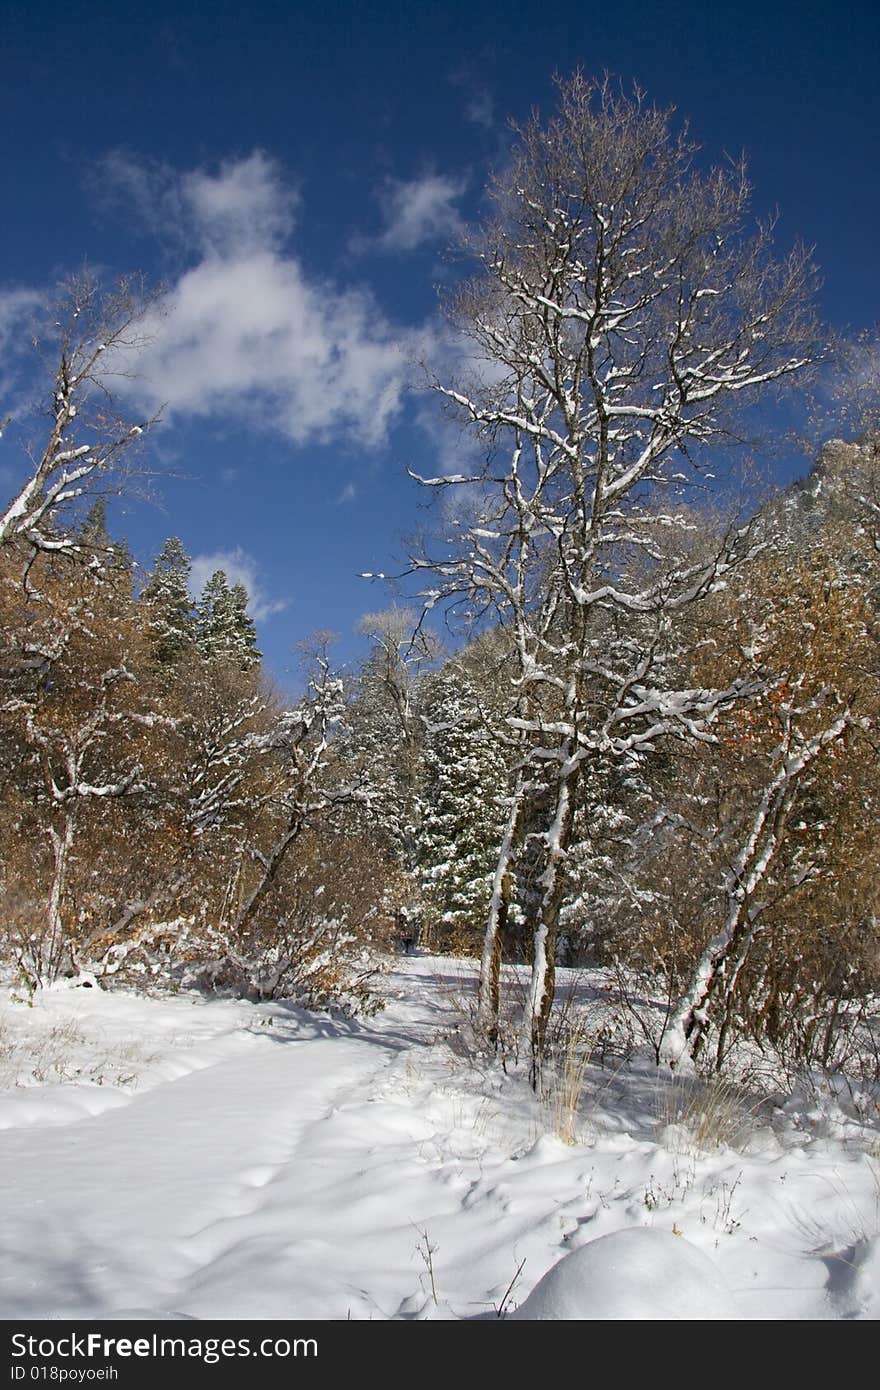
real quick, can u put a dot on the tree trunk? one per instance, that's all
(724, 957)
(270, 865)
(496, 924)
(546, 925)
(61, 847)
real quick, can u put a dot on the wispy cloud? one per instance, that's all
(239, 204)
(19, 309)
(245, 332)
(239, 568)
(480, 109)
(245, 206)
(479, 102)
(419, 212)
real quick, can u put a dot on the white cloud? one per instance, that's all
(245, 333)
(420, 211)
(18, 313)
(17, 309)
(146, 190)
(244, 207)
(250, 337)
(239, 568)
(242, 204)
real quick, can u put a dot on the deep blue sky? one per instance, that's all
(127, 133)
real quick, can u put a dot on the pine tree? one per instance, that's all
(463, 809)
(224, 630)
(99, 545)
(167, 601)
(94, 527)
(244, 633)
(213, 616)
(384, 735)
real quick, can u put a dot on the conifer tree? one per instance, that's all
(244, 632)
(384, 735)
(94, 527)
(101, 549)
(212, 616)
(166, 598)
(224, 630)
(463, 801)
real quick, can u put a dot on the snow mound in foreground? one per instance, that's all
(635, 1274)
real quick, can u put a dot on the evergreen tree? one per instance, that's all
(167, 601)
(384, 736)
(463, 809)
(95, 538)
(94, 527)
(213, 616)
(244, 633)
(224, 630)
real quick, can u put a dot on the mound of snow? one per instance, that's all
(635, 1274)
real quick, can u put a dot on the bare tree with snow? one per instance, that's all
(305, 791)
(88, 337)
(625, 311)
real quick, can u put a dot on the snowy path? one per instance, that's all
(181, 1198)
(267, 1164)
(131, 1206)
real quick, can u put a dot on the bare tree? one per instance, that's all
(622, 310)
(91, 333)
(80, 738)
(305, 792)
(807, 615)
(718, 969)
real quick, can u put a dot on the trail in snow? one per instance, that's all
(268, 1164)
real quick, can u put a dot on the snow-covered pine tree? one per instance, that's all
(94, 527)
(613, 801)
(166, 599)
(111, 558)
(212, 616)
(384, 734)
(244, 631)
(463, 810)
(224, 630)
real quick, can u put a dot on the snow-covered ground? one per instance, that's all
(220, 1159)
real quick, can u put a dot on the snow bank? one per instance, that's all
(637, 1274)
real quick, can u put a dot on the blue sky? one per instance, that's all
(293, 175)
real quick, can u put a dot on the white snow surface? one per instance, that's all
(644, 1273)
(217, 1159)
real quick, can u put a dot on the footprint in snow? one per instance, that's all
(258, 1177)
